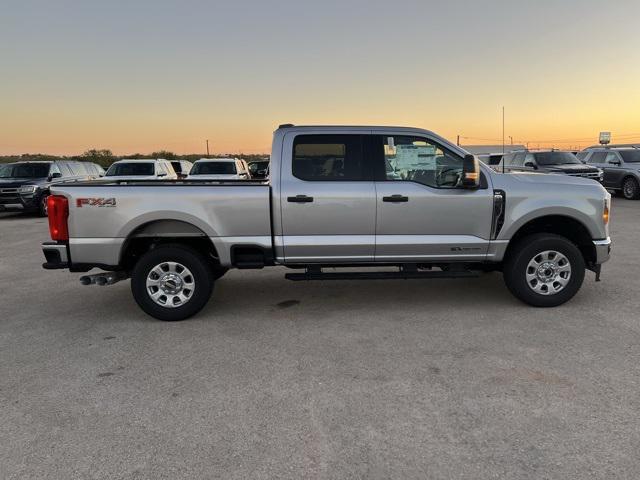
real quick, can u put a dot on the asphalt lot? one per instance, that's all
(275, 379)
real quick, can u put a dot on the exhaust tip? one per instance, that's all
(101, 280)
(85, 280)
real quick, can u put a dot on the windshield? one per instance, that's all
(257, 166)
(556, 158)
(213, 168)
(131, 169)
(630, 156)
(24, 170)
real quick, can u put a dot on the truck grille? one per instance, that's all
(9, 195)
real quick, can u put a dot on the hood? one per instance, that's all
(129, 177)
(569, 168)
(20, 182)
(546, 179)
(214, 177)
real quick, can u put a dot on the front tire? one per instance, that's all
(544, 270)
(172, 282)
(630, 189)
(42, 205)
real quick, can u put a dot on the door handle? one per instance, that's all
(300, 199)
(395, 199)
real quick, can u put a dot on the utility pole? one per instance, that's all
(458, 141)
(207, 148)
(511, 139)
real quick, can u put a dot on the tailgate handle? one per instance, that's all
(300, 199)
(395, 199)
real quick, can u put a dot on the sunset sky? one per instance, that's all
(138, 76)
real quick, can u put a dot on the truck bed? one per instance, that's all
(104, 214)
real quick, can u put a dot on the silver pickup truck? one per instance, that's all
(367, 197)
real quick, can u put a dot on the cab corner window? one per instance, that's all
(418, 160)
(328, 157)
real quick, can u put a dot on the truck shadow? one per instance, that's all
(269, 294)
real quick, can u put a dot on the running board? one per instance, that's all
(399, 275)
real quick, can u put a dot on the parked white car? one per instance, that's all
(220, 169)
(134, 169)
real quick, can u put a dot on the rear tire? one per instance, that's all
(172, 282)
(630, 188)
(544, 270)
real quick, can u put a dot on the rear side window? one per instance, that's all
(214, 168)
(630, 156)
(328, 158)
(582, 156)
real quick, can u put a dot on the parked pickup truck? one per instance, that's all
(368, 197)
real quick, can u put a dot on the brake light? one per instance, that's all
(58, 211)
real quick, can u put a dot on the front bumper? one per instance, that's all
(603, 250)
(17, 202)
(56, 255)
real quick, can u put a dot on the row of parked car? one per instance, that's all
(25, 185)
(617, 167)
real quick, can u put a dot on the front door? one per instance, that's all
(614, 171)
(422, 213)
(327, 199)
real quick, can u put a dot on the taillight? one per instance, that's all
(58, 211)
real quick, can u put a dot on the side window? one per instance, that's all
(597, 157)
(516, 160)
(507, 159)
(612, 158)
(80, 168)
(582, 156)
(161, 168)
(54, 169)
(328, 158)
(65, 170)
(419, 160)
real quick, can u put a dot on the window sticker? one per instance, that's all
(415, 157)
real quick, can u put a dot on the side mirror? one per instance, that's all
(530, 165)
(615, 162)
(470, 172)
(162, 174)
(55, 175)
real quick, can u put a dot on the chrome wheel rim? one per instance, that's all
(548, 272)
(170, 284)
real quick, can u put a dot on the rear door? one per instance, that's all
(422, 213)
(327, 199)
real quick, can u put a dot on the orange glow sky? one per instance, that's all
(168, 75)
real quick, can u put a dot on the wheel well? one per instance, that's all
(153, 234)
(567, 227)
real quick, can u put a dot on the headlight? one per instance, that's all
(28, 189)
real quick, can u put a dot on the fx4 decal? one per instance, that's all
(95, 202)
